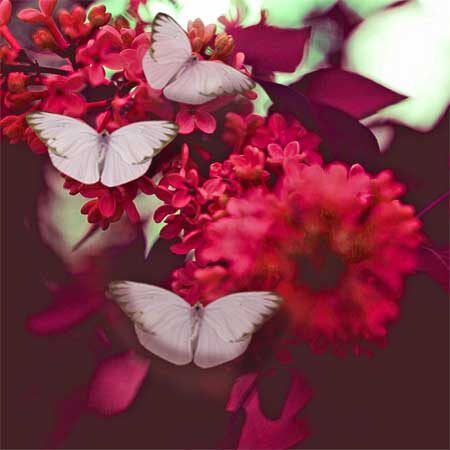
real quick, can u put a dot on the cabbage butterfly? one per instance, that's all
(172, 329)
(77, 150)
(171, 66)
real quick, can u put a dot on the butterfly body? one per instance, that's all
(211, 335)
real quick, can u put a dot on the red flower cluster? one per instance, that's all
(334, 241)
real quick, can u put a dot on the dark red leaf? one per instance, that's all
(259, 432)
(270, 49)
(344, 138)
(346, 91)
(116, 382)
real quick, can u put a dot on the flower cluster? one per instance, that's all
(333, 240)
(100, 80)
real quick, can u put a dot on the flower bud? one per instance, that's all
(98, 16)
(47, 6)
(120, 23)
(44, 39)
(31, 15)
(5, 12)
(17, 82)
(224, 46)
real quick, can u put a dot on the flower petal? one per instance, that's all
(186, 122)
(181, 198)
(107, 204)
(116, 382)
(205, 122)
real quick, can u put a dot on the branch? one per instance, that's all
(8, 68)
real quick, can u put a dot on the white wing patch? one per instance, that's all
(74, 147)
(170, 66)
(79, 151)
(202, 81)
(131, 148)
(169, 327)
(163, 321)
(170, 50)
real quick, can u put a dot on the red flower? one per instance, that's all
(250, 165)
(63, 94)
(13, 127)
(186, 188)
(292, 153)
(103, 51)
(189, 119)
(335, 243)
(109, 204)
(73, 23)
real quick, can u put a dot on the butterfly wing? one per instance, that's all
(169, 51)
(202, 81)
(131, 148)
(163, 321)
(74, 147)
(227, 326)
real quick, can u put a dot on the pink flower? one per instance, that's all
(103, 51)
(73, 23)
(109, 204)
(336, 243)
(63, 94)
(250, 165)
(292, 153)
(13, 127)
(190, 119)
(186, 188)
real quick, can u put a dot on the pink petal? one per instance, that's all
(113, 61)
(181, 198)
(132, 212)
(205, 122)
(74, 82)
(107, 204)
(185, 121)
(347, 91)
(116, 382)
(162, 212)
(31, 15)
(175, 180)
(47, 6)
(5, 12)
(292, 149)
(270, 49)
(96, 74)
(275, 151)
(74, 105)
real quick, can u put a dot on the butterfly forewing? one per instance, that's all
(170, 50)
(74, 147)
(163, 321)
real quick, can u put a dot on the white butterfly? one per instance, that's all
(172, 329)
(79, 151)
(170, 65)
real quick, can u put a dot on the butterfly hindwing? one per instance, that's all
(203, 81)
